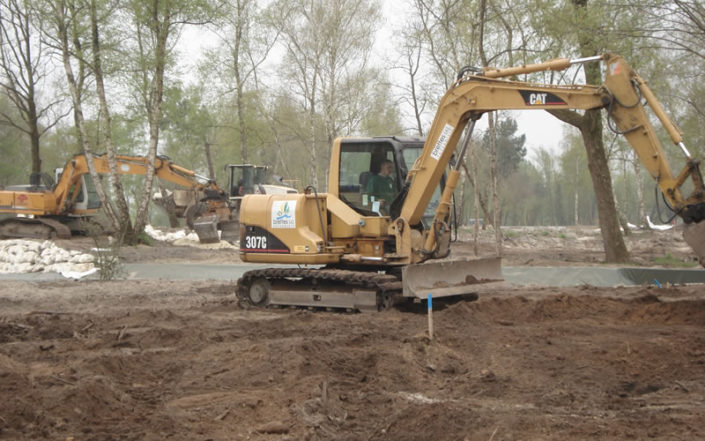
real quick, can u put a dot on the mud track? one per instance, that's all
(160, 360)
(165, 360)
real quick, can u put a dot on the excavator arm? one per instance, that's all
(472, 95)
(128, 165)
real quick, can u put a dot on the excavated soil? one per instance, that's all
(167, 360)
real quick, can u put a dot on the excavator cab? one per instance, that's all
(360, 167)
(246, 179)
(82, 194)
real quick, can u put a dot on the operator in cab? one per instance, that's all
(381, 186)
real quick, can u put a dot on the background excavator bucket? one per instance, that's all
(206, 227)
(694, 236)
(451, 277)
(229, 231)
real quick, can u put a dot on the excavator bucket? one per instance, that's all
(230, 231)
(694, 236)
(206, 227)
(451, 277)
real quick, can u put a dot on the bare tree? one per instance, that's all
(327, 47)
(123, 212)
(492, 137)
(24, 70)
(413, 93)
(67, 18)
(247, 37)
(590, 125)
(155, 26)
(300, 28)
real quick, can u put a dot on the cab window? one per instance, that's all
(364, 183)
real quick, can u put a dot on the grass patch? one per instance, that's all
(145, 239)
(671, 261)
(107, 258)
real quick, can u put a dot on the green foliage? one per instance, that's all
(670, 261)
(107, 254)
(145, 239)
(511, 233)
(511, 148)
(188, 125)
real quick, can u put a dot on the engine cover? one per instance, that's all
(284, 228)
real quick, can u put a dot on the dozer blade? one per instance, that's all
(206, 227)
(694, 236)
(451, 277)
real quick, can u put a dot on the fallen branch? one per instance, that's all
(121, 333)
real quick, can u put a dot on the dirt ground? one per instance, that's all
(167, 360)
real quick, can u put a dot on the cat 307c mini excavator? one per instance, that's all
(371, 252)
(47, 209)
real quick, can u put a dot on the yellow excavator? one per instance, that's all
(44, 209)
(370, 251)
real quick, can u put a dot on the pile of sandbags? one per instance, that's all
(170, 236)
(30, 256)
(184, 238)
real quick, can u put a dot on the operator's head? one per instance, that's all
(385, 168)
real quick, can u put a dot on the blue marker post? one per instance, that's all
(430, 316)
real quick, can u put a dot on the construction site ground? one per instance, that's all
(181, 360)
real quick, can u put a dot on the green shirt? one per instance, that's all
(381, 187)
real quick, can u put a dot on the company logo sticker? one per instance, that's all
(284, 214)
(614, 68)
(442, 142)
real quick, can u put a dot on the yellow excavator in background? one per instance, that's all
(46, 210)
(372, 251)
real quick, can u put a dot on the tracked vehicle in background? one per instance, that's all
(45, 209)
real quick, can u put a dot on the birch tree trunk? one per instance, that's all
(640, 195)
(62, 23)
(476, 204)
(590, 126)
(123, 212)
(154, 26)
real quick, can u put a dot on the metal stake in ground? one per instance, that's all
(430, 316)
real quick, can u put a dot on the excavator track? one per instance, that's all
(319, 288)
(36, 228)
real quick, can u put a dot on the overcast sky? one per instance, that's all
(540, 128)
